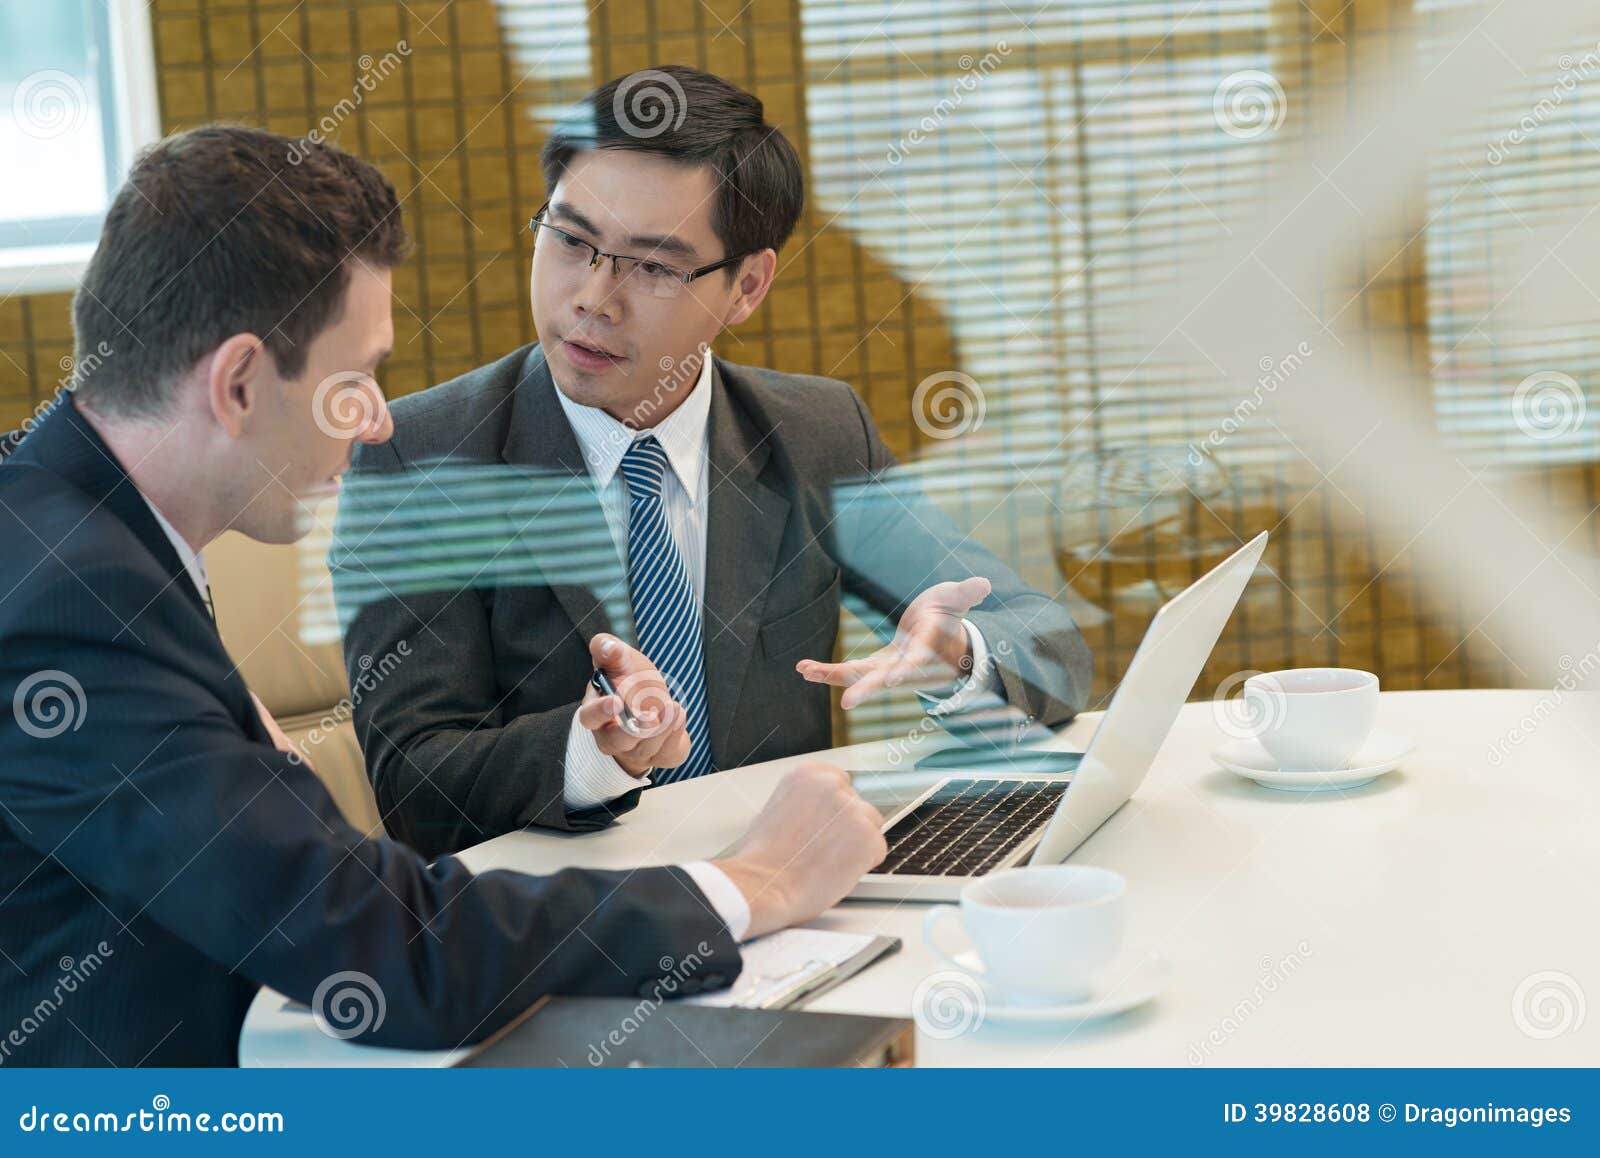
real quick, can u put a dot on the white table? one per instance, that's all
(1386, 925)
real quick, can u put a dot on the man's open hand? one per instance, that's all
(929, 647)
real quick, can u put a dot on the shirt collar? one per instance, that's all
(192, 562)
(682, 435)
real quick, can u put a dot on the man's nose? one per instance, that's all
(380, 425)
(598, 291)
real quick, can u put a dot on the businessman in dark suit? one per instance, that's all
(161, 857)
(618, 477)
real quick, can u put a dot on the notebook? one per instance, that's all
(785, 969)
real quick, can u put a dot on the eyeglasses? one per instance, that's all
(655, 278)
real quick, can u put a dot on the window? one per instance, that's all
(77, 100)
(1512, 344)
(1030, 171)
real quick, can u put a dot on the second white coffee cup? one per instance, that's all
(1313, 719)
(1042, 932)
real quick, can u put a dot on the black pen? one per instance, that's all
(627, 720)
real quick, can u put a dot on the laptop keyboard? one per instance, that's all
(967, 827)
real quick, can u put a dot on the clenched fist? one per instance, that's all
(810, 844)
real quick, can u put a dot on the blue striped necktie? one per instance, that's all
(666, 613)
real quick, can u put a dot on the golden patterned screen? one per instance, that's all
(982, 180)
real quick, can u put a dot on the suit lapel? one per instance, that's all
(744, 528)
(540, 437)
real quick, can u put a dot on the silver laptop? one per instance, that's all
(966, 826)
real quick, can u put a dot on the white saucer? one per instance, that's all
(1382, 753)
(1126, 983)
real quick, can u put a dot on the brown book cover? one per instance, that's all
(606, 1032)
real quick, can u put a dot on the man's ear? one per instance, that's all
(235, 378)
(754, 280)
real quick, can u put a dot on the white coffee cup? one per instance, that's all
(1042, 932)
(1313, 719)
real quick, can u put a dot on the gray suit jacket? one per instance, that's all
(473, 543)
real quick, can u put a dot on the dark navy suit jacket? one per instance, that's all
(160, 860)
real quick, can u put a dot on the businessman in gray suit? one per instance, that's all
(617, 476)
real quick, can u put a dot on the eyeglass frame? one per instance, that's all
(683, 277)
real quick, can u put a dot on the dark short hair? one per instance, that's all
(694, 118)
(218, 231)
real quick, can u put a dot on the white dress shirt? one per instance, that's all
(591, 776)
(192, 561)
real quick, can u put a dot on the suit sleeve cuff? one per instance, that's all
(984, 677)
(591, 777)
(724, 896)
